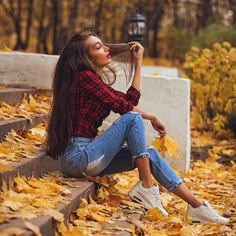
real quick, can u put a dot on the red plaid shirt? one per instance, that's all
(91, 101)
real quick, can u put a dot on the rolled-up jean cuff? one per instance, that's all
(141, 155)
(176, 186)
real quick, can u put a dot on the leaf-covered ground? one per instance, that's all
(211, 177)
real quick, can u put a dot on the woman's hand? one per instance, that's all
(137, 50)
(158, 126)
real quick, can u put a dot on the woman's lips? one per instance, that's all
(108, 55)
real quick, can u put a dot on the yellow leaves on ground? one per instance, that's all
(4, 168)
(111, 211)
(5, 49)
(12, 231)
(16, 146)
(208, 180)
(97, 212)
(36, 104)
(166, 144)
(32, 197)
(155, 73)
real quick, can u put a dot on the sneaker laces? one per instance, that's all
(156, 194)
(210, 210)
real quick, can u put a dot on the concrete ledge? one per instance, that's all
(166, 96)
(36, 167)
(47, 224)
(161, 70)
(19, 124)
(169, 99)
(14, 95)
(27, 70)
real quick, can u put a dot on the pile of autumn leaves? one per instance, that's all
(112, 212)
(25, 142)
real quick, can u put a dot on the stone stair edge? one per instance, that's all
(12, 95)
(39, 165)
(47, 224)
(20, 124)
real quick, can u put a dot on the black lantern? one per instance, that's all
(137, 27)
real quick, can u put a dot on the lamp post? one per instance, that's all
(137, 27)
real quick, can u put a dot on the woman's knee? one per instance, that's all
(136, 117)
(133, 118)
(133, 114)
(154, 154)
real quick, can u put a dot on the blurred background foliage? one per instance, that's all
(173, 26)
(178, 33)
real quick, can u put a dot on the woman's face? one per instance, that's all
(98, 53)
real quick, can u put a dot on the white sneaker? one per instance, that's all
(205, 214)
(148, 197)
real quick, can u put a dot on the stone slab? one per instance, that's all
(27, 70)
(166, 95)
(20, 124)
(169, 99)
(37, 166)
(161, 70)
(33, 70)
(14, 95)
(47, 224)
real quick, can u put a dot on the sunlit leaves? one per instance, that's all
(208, 180)
(5, 49)
(25, 200)
(36, 104)
(213, 89)
(16, 146)
(166, 144)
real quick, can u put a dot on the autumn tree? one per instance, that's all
(20, 13)
(45, 25)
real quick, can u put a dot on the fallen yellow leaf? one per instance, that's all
(166, 144)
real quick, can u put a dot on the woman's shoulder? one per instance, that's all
(86, 73)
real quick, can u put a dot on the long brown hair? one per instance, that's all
(73, 59)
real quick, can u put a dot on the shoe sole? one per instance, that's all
(196, 220)
(138, 198)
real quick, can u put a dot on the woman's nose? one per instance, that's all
(106, 48)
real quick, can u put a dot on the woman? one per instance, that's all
(82, 99)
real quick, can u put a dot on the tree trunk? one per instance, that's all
(15, 11)
(154, 24)
(41, 34)
(232, 4)
(28, 24)
(55, 25)
(17, 22)
(204, 13)
(98, 17)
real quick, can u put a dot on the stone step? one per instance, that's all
(47, 224)
(37, 166)
(14, 95)
(20, 124)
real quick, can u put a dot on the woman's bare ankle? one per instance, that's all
(147, 184)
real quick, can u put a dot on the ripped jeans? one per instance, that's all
(109, 153)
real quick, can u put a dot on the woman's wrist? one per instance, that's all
(139, 62)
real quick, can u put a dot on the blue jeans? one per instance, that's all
(109, 153)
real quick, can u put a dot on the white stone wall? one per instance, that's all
(166, 71)
(165, 95)
(169, 99)
(29, 70)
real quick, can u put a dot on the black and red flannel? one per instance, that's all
(91, 101)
